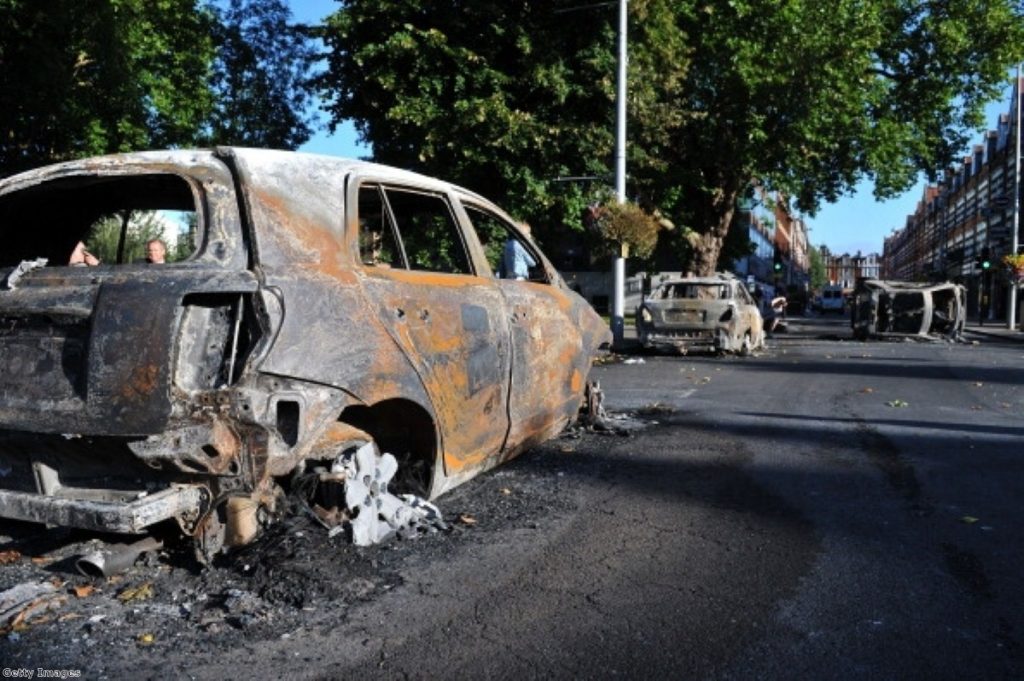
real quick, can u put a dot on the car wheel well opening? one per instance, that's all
(746, 343)
(406, 431)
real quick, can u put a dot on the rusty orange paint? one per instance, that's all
(576, 382)
(141, 383)
(313, 237)
(425, 278)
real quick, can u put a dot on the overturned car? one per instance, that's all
(711, 314)
(899, 308)
(322, 327)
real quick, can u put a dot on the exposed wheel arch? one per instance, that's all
(406, 430)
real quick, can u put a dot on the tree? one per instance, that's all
(806, 97)
(86, 77)
(817, 268)
(104, 239)
(261, 77)
(814, 95)
(497, 96)
(83, 77)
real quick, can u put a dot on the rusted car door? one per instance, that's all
(549, 364)
(451, 323)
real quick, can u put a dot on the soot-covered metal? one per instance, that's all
(315, 310)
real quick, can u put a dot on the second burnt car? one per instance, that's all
(710, 314)
(329, 328)
(904, 308)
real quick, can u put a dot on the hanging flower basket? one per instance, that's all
(1016, 264)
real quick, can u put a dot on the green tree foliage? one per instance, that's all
(819, 277)
(261, 76)
(86, 77)
(502, 97)
(806, 97)
(811, 96)
(82, 77)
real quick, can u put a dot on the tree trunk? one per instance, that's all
(708, 245)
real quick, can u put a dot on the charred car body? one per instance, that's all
(712, 314)
(900, 308)
(326, 311)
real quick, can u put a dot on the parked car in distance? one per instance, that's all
(711, 314)
(832, 299)
(315, 306)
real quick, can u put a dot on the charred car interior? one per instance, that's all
(328, 330)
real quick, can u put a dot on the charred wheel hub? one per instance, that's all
(376, 512)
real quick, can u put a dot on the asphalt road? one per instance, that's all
(902, 460)
(827, 509)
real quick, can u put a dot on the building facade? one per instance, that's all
(781, 239)
(964, 221)
(844, 270)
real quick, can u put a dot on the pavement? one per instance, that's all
(996, 330)
(993, 329)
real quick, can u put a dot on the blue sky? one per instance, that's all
(854, 223)
(859, 223)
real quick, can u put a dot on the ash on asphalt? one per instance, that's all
(294, 577)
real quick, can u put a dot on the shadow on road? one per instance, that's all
(899, 423)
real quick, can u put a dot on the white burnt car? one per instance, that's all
(321, 327)
(711, 314)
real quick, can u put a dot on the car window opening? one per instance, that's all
(83, 221)
(505, 249)
(427, 231)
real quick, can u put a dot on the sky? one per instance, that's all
(854, 223)
(860, 223)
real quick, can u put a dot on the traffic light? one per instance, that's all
(984, 261)
(777, 259)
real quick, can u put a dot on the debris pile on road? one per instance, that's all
(595, 418)
(22, 603)
(296, 578)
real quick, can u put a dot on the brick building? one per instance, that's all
(967, 215)
(844, 270)
(785, 235)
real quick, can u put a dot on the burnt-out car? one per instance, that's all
(329, 328)
(711, 314)
(901, 308)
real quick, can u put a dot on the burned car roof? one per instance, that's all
(322, 327)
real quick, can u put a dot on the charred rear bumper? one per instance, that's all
(107, 510)
(699, 340)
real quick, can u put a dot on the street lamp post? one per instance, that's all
(618, 321)
(1011, 313)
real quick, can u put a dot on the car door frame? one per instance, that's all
(549, 363)
(452, 328)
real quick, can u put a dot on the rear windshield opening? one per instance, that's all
(113, 218)
(692, 291)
